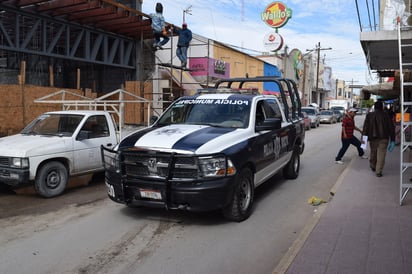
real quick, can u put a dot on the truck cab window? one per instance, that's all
(96, 126)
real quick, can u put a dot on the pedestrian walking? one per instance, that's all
(185, 36)
(159, 27)
(379, 128)
(348, 137)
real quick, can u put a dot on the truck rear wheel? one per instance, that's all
(291, 170)
(51, 179)
(240, 207)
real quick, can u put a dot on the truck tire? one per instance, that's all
(51, 179)
(291, 170)
(240, 207)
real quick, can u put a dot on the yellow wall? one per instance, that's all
(240, 63)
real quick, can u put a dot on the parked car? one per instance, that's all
(339, 115)
(306, 120)
(327, 116)
(54, 147)
(313, 115)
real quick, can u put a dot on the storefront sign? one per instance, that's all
(203, 66)
(273, 41)
(276, 15)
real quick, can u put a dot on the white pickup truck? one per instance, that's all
(55, 146)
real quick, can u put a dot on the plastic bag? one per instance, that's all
(391, 146)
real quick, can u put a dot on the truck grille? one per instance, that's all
(4, 161)
(159, 165)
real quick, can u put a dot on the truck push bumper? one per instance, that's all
(193, 196)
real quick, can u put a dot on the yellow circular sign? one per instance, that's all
(276, 14)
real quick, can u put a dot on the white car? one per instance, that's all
(313, 114)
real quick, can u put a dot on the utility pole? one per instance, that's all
(351, 90)
(318, 49)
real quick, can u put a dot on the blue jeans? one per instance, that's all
(181, 53)
(157, 36)
(345, 144)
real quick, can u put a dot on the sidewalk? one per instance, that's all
(363, 229)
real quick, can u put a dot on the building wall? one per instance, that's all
(241, 64)
(17, 106)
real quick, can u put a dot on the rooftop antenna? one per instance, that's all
(188, 10)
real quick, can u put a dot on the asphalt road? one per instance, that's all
(83, 231)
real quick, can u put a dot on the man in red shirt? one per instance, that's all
(348, 128)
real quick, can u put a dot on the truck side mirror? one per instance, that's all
(83, 135)
(269, 124)
(153, 119)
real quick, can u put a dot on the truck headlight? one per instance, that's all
(216, 166)
(19, 162)
(111, 160)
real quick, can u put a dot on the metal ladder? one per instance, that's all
(405, 127)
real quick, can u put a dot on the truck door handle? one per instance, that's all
(109, 144)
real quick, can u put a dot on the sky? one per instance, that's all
(334, 24)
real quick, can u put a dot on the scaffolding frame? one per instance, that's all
(405, 126)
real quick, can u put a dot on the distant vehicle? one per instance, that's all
(327, 116)
(359, 111)
(307, 121)
(313, 114)
(339, 115)
(338, 104)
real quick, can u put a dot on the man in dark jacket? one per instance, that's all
(379, 128)
(185, 36)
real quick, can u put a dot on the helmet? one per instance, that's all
(184, 25)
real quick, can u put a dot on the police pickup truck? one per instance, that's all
(211, 150)
(55, 146)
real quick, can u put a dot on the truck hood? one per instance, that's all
(181, 138)
(31, 145)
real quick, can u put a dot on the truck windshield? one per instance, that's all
(207, 113)
(53, 124)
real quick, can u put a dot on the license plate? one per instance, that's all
(151, 194)
(110, 190)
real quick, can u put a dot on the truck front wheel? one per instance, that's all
(51, 179)
(240, 207)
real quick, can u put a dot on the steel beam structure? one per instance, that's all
(33, 33)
